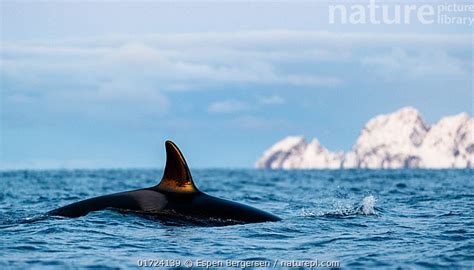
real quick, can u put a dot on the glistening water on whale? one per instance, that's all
(176, 196)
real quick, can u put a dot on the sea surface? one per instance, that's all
(382, 219)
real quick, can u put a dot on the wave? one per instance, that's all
(365, 207)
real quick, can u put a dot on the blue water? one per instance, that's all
(360, 218)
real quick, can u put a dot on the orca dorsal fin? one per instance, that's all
(176, 177)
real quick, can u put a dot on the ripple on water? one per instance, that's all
(363, 218)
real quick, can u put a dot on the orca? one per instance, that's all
(176, 196)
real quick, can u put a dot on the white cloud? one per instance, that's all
(228, 106)
(271, 100)
(232, 106)
(152, 61)
(417, 64)
(262, 40)
(260, 123)
(53, 164)
(180, 62)
(129, 76)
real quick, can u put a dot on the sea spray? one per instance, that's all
(368, 205)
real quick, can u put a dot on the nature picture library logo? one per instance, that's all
(401, 12)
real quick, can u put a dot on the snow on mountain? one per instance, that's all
(391, 141)
(285, 154)
(294, 152)
(450, 143)
(316, 156)
(397, 140)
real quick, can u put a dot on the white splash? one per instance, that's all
(311, 213)
(368, 205)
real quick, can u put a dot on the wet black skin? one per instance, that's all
(175, 196)
(156, 203)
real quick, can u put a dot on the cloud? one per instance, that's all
(228, 106)
(261, 40)
(46, 164)
(182, 62)
(260, 123)
(271, 100)
(417, 64)
(157, 62)
(111, 102)
(128, 76)
(233, 105)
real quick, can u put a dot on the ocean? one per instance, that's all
(348, 218)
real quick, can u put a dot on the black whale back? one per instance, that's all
(176, 194)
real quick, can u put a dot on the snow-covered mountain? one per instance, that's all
(285, 154)
(295, 152)
(390, 141)
(449, 143)
(397, 140)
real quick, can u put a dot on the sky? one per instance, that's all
(104, 84)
